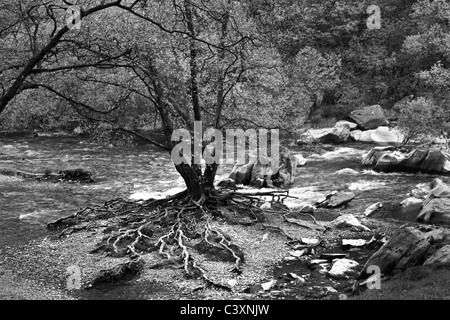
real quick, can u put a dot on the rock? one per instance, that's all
(435, 162)
(335, 135)
(331, 290)
(317, 261)
(333, 256)
(435, 208)
(310, 241)
(268, 285)
(432, 161)
(405, 249)
(351, 125)
(299, 160)
(411, 207)
(338, 199)
(346, 171)
(348, 221)
(266, 206)
(440, 256)
(297, 253)
(227, 184)
(372, 208)
(386, 136)
(369, 117)
(342, 268)
(437, 235)
(297, 278)
(436, 211)
(242, 174)
(353, 242)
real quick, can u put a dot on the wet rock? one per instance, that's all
(369, 117)
(432, 161)
(337, 199)
(440, 256)
(405, 249)
(348, 221)
(436, 211)
(317, 261)
(372, 208)
(342, 268)
(353, 242)
(335, 135)
(300, 161)
(381, 136)
(351, 125)
(346, 171)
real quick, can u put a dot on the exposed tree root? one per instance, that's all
(173, 228)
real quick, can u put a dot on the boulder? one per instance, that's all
(369, 117)
(436, 161)
(436, 211)
(348, 221)
(405, 249)
(410, 208)
(338, 199)
(436, 207)
(333, 135)
(342, 268)
(440, 256)
(351, 125)
(299, 160)
(431, 161)
(242, 174)
(382, 136)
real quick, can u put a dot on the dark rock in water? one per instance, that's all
(413, 162)
(431, 161)
(405, 249)
(260, 175)
(369, 117)
(78, 175)
(338, 134)
(434, 162)
(338, 199)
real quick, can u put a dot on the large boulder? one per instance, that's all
(432, 161)
(242, 173)
(405, 249)
(382, 136)
(436, 207)
(338, 134)
(369, 117)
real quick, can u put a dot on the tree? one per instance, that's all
(192, 61)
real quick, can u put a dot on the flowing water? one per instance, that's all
(26, 205)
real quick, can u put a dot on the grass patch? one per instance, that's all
(417, 283)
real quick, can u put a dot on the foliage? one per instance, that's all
(419, 117)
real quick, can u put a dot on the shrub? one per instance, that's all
(420, 117)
